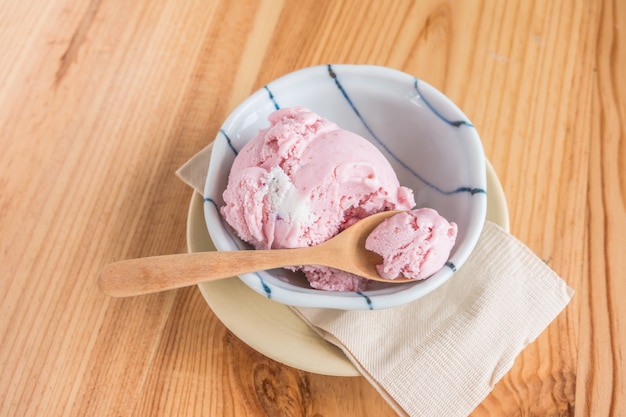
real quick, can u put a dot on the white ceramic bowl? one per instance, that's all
(433, 147)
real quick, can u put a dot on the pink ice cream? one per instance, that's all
(301, 181)
(413, 244)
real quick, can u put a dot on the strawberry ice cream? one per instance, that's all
(413, 244)
(301, 181)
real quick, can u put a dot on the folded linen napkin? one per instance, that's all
(442, 355)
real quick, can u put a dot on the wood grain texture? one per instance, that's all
(602, 364)
(101, 101)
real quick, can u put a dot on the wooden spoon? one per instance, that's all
(346, 251)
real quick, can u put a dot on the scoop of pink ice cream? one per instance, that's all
(303, 180)
(413, 244)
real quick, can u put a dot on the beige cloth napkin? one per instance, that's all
(442, 354)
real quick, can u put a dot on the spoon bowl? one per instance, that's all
(346, 252)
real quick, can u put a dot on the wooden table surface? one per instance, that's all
(101, 101)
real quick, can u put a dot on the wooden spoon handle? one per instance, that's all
(159, 273)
